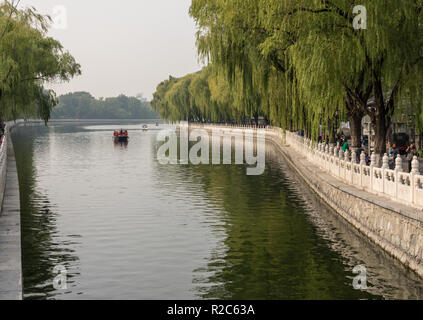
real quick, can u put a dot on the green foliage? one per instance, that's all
(29, 59)
(300, 63)
(82, 105)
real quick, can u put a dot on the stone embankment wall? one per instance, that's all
(10, 223)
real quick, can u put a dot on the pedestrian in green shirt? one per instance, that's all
(346, 146)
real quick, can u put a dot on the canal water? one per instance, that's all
(123, 226)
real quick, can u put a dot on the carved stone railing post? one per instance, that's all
(373, 165)
(348, 154)
(327, 156)
(341, 157)
(415, 166)
(362, 165)
(398, 170)
(398, 164)
(385, 162)
(385, 166)
(415, 171)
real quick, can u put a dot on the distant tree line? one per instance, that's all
(82, 105)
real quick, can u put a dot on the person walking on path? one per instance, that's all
(345, 146)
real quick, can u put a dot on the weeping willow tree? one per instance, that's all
(393, 61)
(198, 97)
(251, 43)
(28, 60)
(228, 38)
(301, 64)
(369, 71)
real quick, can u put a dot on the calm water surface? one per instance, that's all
(126, 227)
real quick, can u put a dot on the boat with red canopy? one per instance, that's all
(121, 135)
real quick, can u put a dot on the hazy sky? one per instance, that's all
(126, 46)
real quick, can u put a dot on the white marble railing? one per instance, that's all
(398, 185)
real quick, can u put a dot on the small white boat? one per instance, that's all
(145, 128)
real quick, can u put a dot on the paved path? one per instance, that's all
(10, 235)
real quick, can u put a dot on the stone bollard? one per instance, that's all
(385, 162)
(331, 150)
(415, 166)
(363, 158)
(398, 164)
(341, 154)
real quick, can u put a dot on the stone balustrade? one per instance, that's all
(398, 185)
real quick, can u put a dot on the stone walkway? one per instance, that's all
(10, 235)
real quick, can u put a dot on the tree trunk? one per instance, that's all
(256, 118)
(332, 132)
(355, 124)
(380, 135)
